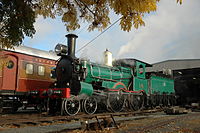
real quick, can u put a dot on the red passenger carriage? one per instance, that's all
(22, 70)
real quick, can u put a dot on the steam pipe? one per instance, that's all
(71, 42)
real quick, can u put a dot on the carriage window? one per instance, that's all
(41, 70)
(10, 64)
(29, 68)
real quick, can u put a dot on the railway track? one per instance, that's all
(26, 120)
(168, 123)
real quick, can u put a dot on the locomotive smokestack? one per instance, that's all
(71, 42)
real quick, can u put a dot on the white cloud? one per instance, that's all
(48, 33)
(43, 26)
(166, 33)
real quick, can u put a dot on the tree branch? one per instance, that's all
(86, 7)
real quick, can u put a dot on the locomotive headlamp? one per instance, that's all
(61, 49)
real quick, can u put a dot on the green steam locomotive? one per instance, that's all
(115, 86)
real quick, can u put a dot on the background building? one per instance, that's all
(186, 74)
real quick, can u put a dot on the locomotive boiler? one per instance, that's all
(82, 85)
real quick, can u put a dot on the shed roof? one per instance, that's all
(176, 64)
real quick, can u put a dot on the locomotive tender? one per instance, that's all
(84, 85)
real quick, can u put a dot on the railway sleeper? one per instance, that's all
(101, 123)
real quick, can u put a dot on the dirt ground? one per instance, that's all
(184, 123)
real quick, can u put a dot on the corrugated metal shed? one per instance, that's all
(175, 65)
(186, 74)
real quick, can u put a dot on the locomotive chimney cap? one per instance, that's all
(71, 35)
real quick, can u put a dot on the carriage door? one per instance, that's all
(10, 74)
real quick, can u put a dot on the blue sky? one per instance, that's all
(172, 32)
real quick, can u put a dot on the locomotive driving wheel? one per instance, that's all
(90, 105)
(136, 102)
(72, 106)
(115, 102)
